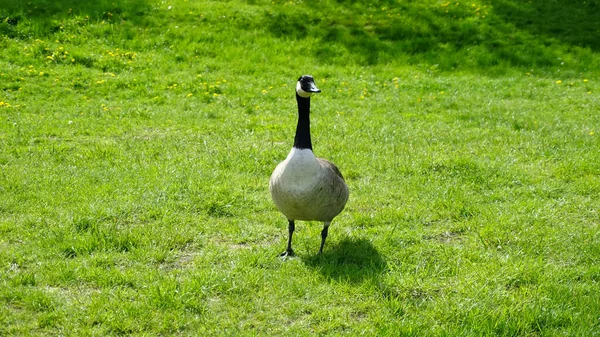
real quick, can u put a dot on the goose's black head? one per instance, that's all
(306, 86)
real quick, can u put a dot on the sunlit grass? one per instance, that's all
(137, 139)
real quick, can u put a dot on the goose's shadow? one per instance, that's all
(352, 260)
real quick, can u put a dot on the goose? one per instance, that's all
(304, 187)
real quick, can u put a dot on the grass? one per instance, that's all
(137, 139)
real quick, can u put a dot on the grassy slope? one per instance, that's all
(137, 138)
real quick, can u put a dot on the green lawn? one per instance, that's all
(137, 139)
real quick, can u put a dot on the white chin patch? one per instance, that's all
(301, 92)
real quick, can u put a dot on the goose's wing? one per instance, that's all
(326, 163)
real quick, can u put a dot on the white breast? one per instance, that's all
(293, 185)
(297, 171)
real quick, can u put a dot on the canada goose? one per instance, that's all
(303, 186)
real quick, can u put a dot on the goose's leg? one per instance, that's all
(288, 250)
(324, 235)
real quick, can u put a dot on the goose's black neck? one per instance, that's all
(302, 139)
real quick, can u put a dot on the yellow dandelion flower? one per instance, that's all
(190, 95)
(585, 80)
(559, 82)
(591, 133)
(264, 92)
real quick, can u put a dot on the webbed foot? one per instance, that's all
(287, 253)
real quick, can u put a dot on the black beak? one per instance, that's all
(312, 87)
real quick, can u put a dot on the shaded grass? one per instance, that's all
(482, 35)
